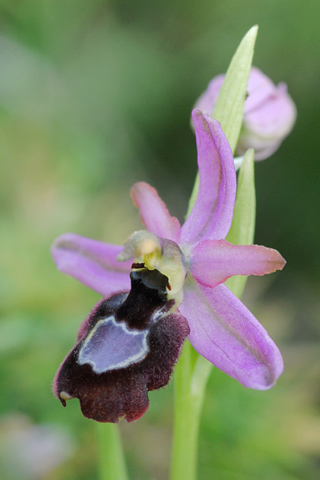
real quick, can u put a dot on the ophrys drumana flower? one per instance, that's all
(116, 358)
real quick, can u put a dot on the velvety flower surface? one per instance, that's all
(269, 113)
(195, 261)
(127, 346)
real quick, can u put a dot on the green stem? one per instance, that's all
(191, 376)
(111, 458)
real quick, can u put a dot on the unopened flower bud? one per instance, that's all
(269, 113)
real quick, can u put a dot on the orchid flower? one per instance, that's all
(131, 341)
(269, 113)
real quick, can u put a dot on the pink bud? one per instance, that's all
(269, 113)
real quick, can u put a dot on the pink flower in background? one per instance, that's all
(32, 451)
(269, 113)
(130, 342)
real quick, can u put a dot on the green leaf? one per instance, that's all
(230, 103)
(243, 223)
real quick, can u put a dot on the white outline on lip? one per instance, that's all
(83, 356)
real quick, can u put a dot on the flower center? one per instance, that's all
(155, 253)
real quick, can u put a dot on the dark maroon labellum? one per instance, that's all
(127, 346)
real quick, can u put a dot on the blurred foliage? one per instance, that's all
(95, 95)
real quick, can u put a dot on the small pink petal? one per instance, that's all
(91, 262)
(229, 336)
(212, 213)
(213, 261)
(154, 213)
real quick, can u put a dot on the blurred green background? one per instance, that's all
(95, 95)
